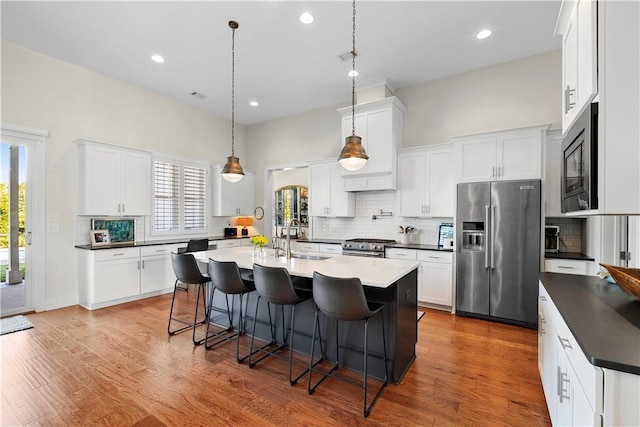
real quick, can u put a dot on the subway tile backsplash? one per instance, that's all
(570, 233)
(384, 227)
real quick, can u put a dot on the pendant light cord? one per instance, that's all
(353, 73)
(233, 86)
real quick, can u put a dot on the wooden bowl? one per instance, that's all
(627, 278)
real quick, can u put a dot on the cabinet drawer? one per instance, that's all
(399, 253)
(159, 249)
(229, 243)
(111, 254)
(330, 249)
(566, 266)
(305, 247)
(435, 256)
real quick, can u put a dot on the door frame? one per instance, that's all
(35, 141)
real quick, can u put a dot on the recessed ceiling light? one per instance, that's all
(353, 73)
(306, 18)
(157, 58)
(483, 34)
(254, 103)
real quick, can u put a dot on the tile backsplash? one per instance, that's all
(384, 227)
(571, 230)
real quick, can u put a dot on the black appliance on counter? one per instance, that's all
(372, 248)
(230, 231)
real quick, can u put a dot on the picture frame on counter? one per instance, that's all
(100, 237)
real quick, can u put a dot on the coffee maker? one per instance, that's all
(552, 239)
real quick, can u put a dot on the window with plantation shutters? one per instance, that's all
(179, 197)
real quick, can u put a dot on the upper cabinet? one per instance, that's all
(578, 27)
(327, 196)
(380, 124)
(500, 156)
(553, 154)
(231, 198)
(112, 180)
(426, 181)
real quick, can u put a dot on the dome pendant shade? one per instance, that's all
(232, 170)
(353, 156)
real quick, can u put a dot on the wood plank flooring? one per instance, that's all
(117, 367)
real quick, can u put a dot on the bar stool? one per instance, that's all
(194, 245)
(343, 299)
(226, 278)
(275, 286)
(187, 272)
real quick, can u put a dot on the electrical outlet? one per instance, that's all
(53, 227)
(53, 217)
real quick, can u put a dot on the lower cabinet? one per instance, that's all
(435, 275)
(568, 266)
(232, 243)
(114, 276)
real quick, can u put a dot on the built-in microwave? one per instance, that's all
(579, 181)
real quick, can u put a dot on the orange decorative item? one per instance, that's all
(627, 278)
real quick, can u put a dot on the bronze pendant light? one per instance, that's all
(232, 170)
(353, 156)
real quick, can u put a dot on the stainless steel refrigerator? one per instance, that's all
(498, 260)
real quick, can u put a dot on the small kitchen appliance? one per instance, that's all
(230, 231)
(552, 239)
(373, 248)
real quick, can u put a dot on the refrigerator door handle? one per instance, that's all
(493, 234)
(487, 239)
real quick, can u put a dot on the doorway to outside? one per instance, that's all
(21, 231)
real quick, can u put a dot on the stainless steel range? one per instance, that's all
(373, 248)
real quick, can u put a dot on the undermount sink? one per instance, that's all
(312, 257)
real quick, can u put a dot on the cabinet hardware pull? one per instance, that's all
(499, 171)
(118, 254)
(123, 208)
(564, 342)
(543, 298)
(160, 250)
(493, 172)
(543, 326)
(138, 265)
(142, 263)
(568, 105)
(434, 257)
(564, 392)
(566, 267)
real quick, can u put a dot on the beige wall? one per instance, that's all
(70, 103)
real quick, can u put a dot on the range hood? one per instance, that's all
(379, 120)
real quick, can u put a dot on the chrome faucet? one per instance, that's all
(289, 237)
(277, 246)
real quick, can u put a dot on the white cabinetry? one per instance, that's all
(232, 243)
(435, 275)
(113, 180)
(330, 248)
(572, 386)
(113, 276)
(327, 196)
(552, 177)
(500, 156)
(231, 198)
(380, 124)
(426, 181)
(568, 266)
(578, 27)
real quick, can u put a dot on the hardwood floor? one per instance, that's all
(117, 367)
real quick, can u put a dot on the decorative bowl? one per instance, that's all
(627, 278)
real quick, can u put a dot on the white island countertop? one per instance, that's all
(376, 272)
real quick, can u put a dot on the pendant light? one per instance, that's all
(353, 156)
(232, 170)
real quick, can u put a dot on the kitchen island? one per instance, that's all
(387, 281)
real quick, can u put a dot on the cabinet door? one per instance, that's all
(330, 248)
(232, 198)
(342, 203)
(435, 283)
(100, 181)
(156, 273)
(519, 156)
(135, 183)
(319, 189)
(476, 159)
(116, 279)
(411, 184)
(552, 175)
(570, 72)
(440, 183)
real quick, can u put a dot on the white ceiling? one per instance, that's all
(287, 66)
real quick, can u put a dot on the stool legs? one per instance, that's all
(187, 325)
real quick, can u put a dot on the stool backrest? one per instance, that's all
(225, 276)
(186, 269)
(197, 245)
(340, 298)
(274, 284)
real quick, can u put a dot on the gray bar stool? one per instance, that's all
(275, 286)
(343, 299)
(226, 278)
(194, 245)
(187, 272)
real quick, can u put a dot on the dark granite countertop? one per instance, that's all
(419, 247)
(156, 242)
(568, 255)
(604, 319)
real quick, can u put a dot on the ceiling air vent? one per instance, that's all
(346, 56)
(198, 95)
